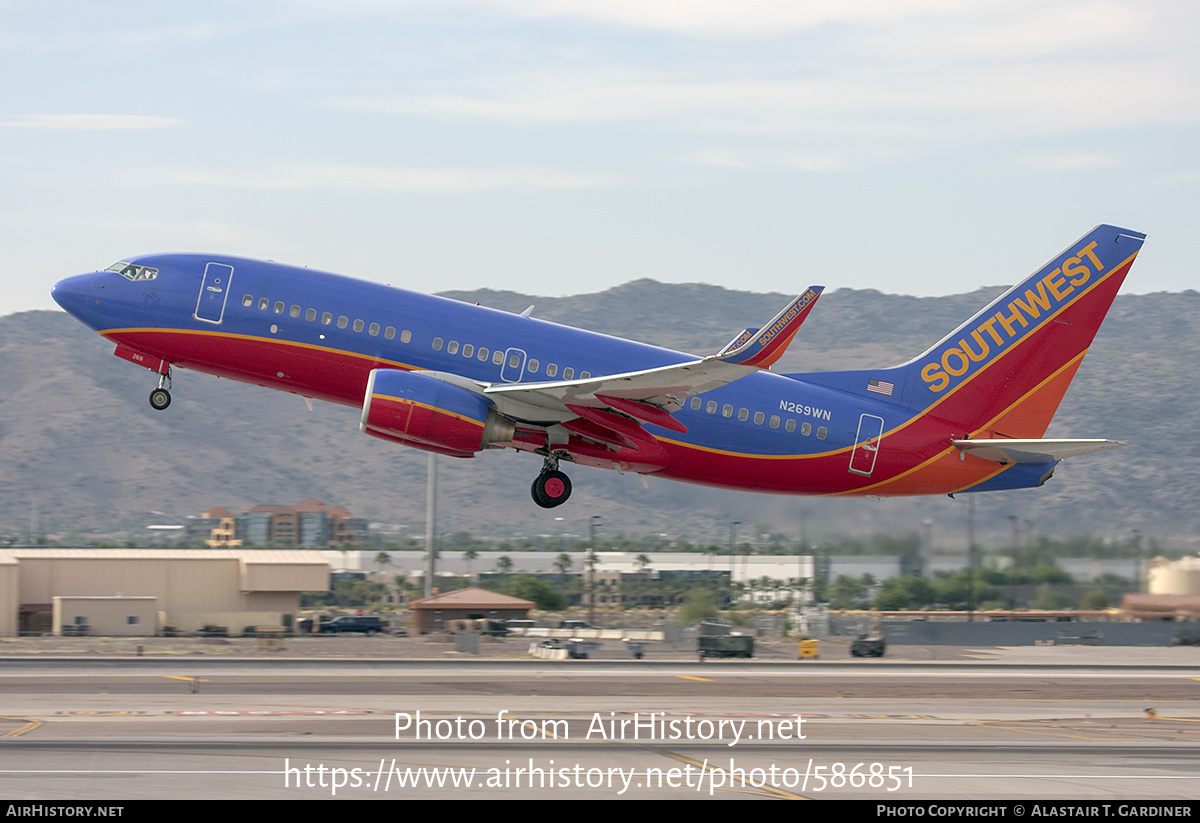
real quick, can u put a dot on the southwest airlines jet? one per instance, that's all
(967, 415)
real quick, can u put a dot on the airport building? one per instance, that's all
(309, 524)
(143, 592)
(436, 613)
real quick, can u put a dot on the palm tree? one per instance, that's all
(470, 555)
(563, 564)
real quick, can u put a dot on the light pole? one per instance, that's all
(733, 524)
(591, 564)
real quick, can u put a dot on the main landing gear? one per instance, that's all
(550, 488)
(160, 398)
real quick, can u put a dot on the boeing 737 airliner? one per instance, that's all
(967, 415)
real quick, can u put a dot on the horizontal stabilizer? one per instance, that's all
(1032, 451)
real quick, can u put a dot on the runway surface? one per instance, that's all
(94, 729)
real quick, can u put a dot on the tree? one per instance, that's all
(899, 593)
(543, 595)
(470, 555)
(846, 592)
(698, 605)
(504, 564)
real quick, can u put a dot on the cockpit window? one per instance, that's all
(131, 272)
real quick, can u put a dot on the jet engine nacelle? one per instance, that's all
(432, 411)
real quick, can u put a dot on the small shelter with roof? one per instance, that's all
(435, 613)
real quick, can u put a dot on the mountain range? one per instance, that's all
(82, 454)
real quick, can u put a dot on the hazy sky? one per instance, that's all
(913, 146)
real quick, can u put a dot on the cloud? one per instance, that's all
(1071, 162)
(800, 161)
(376, 178)
(93, 122)
(720, 17)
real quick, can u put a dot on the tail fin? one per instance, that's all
(1004, 371)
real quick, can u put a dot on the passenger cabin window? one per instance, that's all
(483, 354)
(551, 369)
(727, 410)
(310, 315)
(452, 348)
(805, 430)
(358, 325)
(373, 329)
(343, 321)
(248, 300)
(468, 350)
(711, 408)
(743, 415)
(774, 421)
(568, 373)
(405, 336)
(514, 361)
(279, 307)
(791, 425)
(326, 318)
(584, 375)
(531, 366)
(437, 343)
(498, 357)
(695, 402)
(822, 432)
(263, 303)
(295, 312)
(390, 332)
(758, 418)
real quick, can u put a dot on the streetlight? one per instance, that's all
(591, 564)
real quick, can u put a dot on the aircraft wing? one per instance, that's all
(1032, 451)
(651, 395)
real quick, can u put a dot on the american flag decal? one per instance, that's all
(881, 387)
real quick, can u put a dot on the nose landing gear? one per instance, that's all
(550, 488)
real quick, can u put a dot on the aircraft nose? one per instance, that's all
(74, 294)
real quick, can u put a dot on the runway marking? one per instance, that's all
(30, 725)
(185, 677)
(693, 677)
(760, 791)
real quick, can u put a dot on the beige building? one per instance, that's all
(90, 590)
(435, 613)
(1180, 576)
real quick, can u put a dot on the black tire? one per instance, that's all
(160, 399)
(551, 489)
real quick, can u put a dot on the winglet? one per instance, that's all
(764, 346)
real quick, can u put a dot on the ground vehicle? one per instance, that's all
(727, 645)
(347, 623)
(867, 646)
